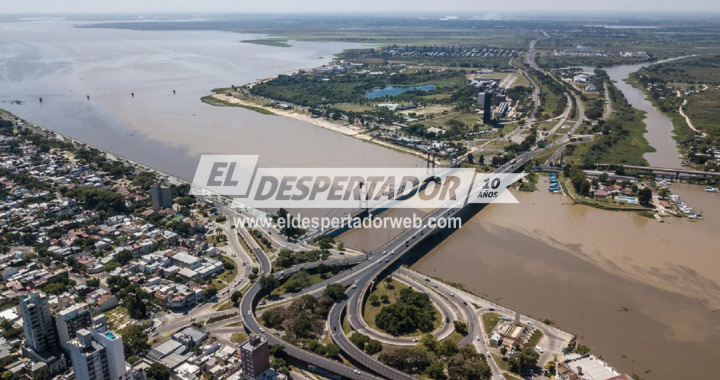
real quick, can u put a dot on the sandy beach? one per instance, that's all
(320, 122)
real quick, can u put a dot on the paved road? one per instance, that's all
(608, 103)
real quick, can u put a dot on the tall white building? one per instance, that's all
(41, 342)
(37, 322)
(98, 355)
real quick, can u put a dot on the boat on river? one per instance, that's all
(710, 189)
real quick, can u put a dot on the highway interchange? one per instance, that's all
(359, 279)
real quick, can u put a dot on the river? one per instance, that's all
(575, 265)
(659, 127)
(644, 295)
(63, 64)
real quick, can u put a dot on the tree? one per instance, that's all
(503, 351)
(6, 324)
(332, 350)
(413, 311)
(158, 371)
(93, 283)
(136, 304)
(429, 342)
(373, 347)
(436, 370)
(525, 361)
(43, 373)
(583, 350)
(7, 375)
(134, 340)
(268, 283)
(359, 340)
(388, 280)
(645, 196)
(384, 298)
(235, 297)
(277, 349)
(210, 292)
(461, 327)
(447, 348)
(374, 300)
(334, 291)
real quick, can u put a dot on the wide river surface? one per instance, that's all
(578, 266)
(63, 65)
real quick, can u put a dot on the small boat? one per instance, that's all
(658, 218)
(711, 189)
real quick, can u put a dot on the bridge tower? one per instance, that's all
(363, 196)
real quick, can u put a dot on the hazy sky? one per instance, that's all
(283, 6)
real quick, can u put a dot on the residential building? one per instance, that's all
(71, 320)
(255, 357)
(98, 355)
(41, 341)
(161, 196)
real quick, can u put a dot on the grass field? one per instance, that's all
(490, 320)
(314, 279)
(704, 111)
(238, 337)
(349, 107)
(534, 339)
(226, 277)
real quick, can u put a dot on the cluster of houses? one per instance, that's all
(583, 52)
(445, 51)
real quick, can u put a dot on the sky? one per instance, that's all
(308, 6)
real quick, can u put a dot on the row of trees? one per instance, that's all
(439, 360)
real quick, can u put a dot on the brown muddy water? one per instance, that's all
(63, 65)
(581, 267)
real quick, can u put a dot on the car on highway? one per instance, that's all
(477, 338)
(356, 372)
(262, 330)
(354, 286)
(487, 353)
(334, 328)
(452, 294)
(416, 340)
(249, 312)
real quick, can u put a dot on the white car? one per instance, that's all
(354, 286)
(452, 294)
(262, 330)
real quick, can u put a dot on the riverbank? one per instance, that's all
(680, 130)
(347, 130)
(111, 156)
(583, 267)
